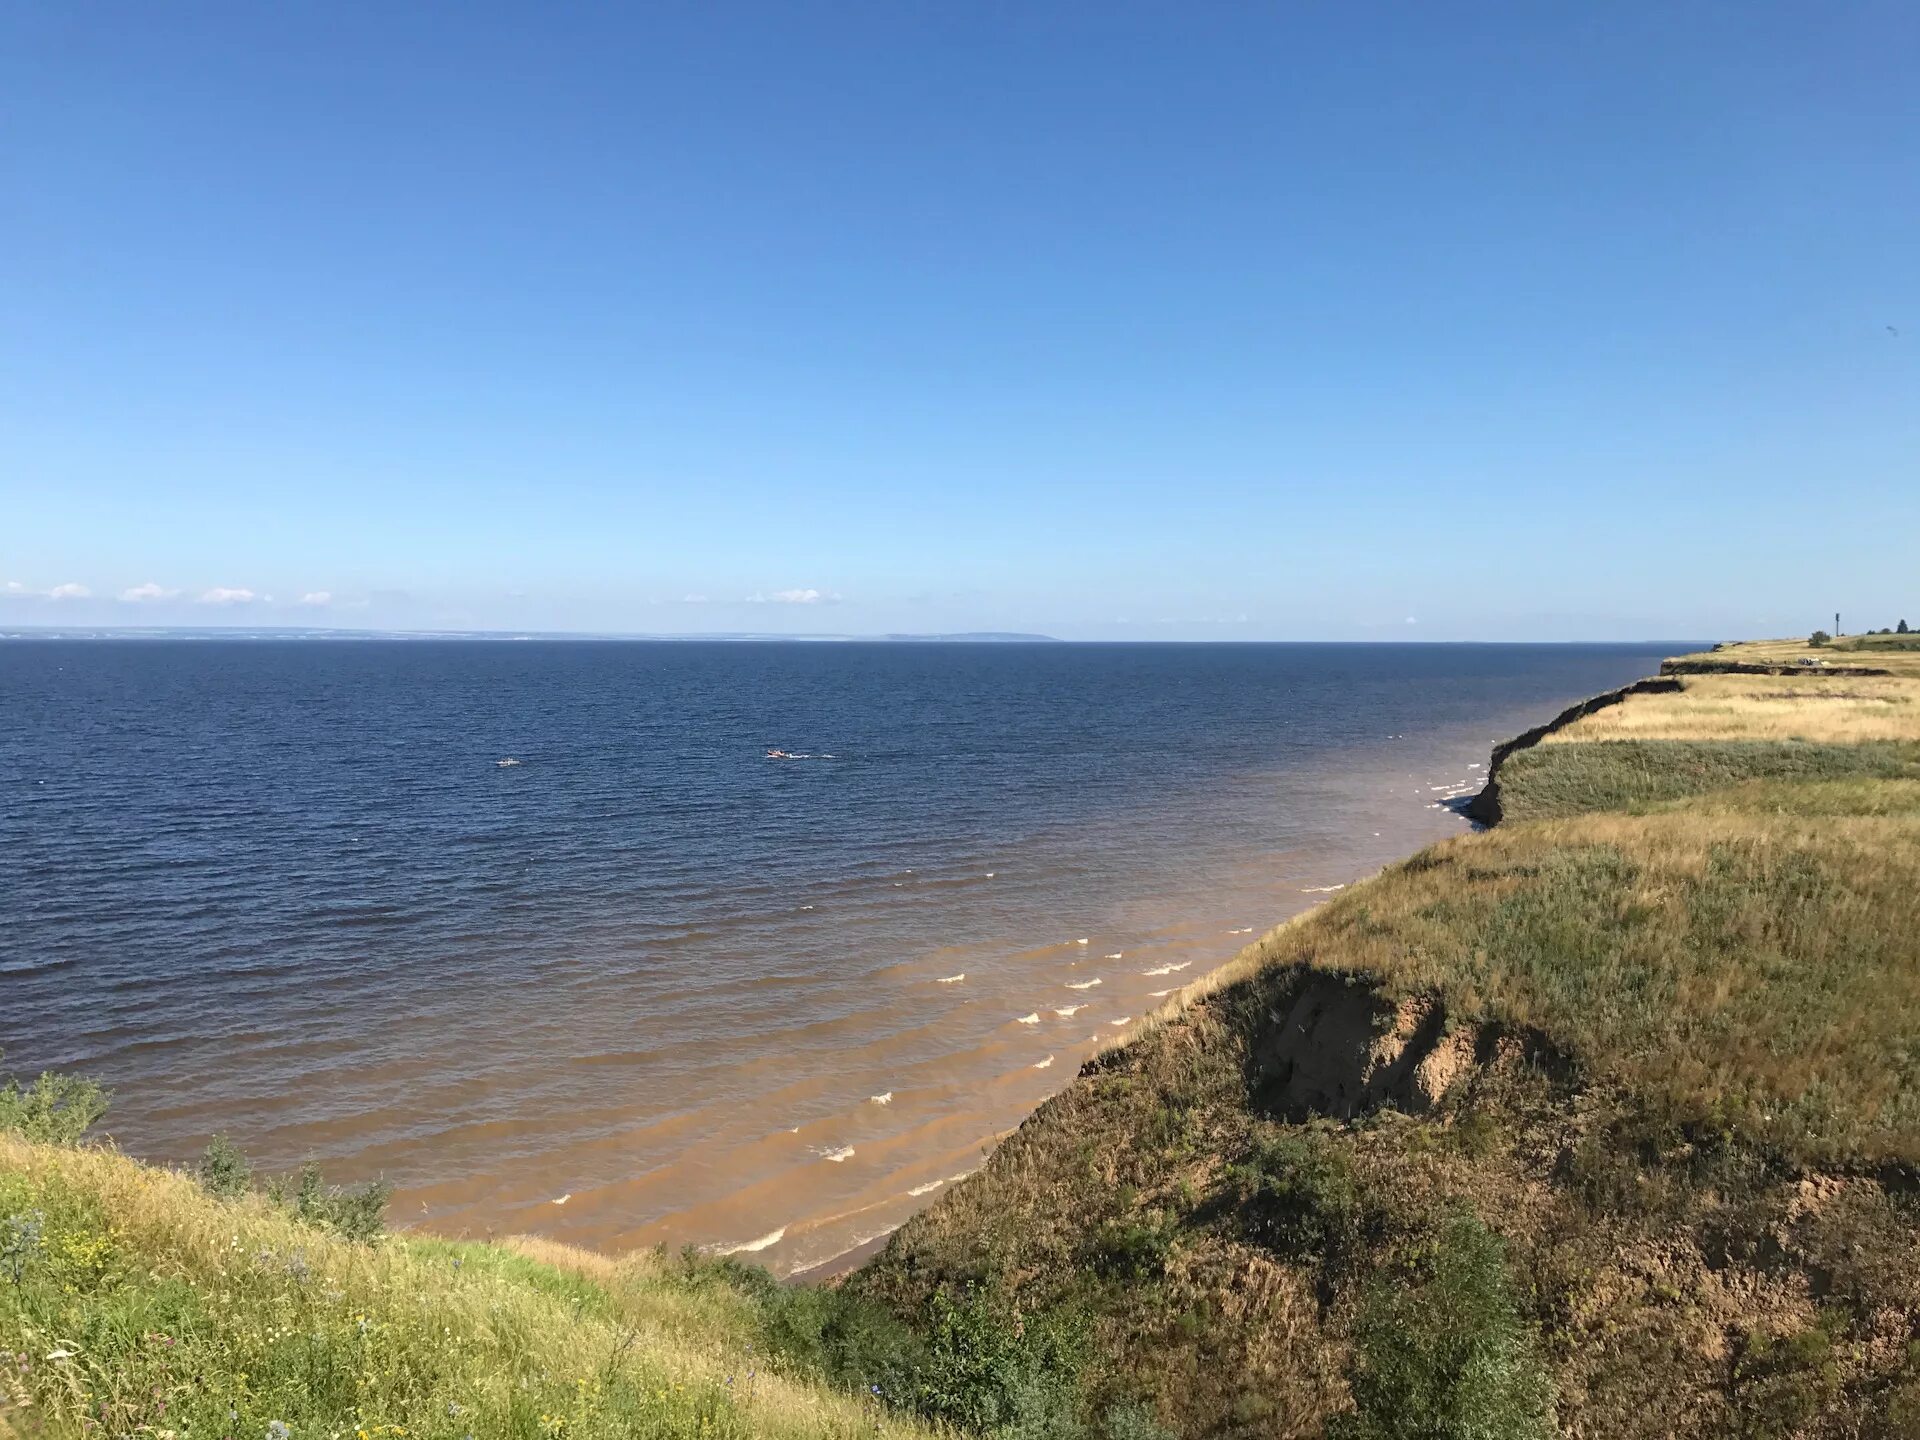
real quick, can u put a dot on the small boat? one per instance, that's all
(503, 764)
(778, 755)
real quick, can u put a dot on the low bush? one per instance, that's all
(1442, 1353)
(54, 1110)
(1298, 1193)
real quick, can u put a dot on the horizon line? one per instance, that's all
(999, 637)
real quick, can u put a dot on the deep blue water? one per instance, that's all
(283, 888)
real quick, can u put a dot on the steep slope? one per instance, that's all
(1598, 1125)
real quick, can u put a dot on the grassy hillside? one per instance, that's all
(1603, 1122)
(132, 1301)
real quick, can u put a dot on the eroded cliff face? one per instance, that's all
(1485, 807)
(1342, 1048)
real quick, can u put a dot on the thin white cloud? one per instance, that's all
(693, 599)
(14, 587)
(317, 597)
(69, 591)
(227, 595)
(800, 595)
(139, 594)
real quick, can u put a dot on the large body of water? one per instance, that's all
(283, 891)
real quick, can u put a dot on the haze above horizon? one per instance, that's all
(1118, 321)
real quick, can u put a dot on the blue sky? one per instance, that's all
(1106, 320)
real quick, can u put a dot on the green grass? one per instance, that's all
(1908, 644)
(1552, 781)
(1739, 970)
(144, 1305)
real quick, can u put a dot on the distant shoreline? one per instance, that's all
(49, 633)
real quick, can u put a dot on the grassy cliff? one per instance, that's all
(1601, 1122)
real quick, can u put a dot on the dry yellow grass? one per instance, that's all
(1829, 709)
(1792, 651)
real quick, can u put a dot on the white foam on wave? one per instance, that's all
(1082, 985)
(926, 1189)
(1243, 930)
(991, 874)
(1118, 955)
(837, 1154)
(1033, 1019)
(1067, 1012)
(1043, 1064)
(772, 1237)
(885, 1097)
(1123, 1020)
(1167, 969)
(1321, 889)
(1081, 941)
(951, 979)
(1162, 994)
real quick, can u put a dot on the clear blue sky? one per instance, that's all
(1106, 319)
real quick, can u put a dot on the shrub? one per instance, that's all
(1299, 1193)
(1819, 638)
(55, 1109)
(1786, 1381)
(223, 1170)
(851, 1340)
(992, 1370)
(354, 1214)
(1131, 1249)
(1448, 1356)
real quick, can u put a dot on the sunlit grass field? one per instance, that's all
(142, 1305)
(1897, 654)
(1835, 709)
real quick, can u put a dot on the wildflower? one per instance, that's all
(277, 1430)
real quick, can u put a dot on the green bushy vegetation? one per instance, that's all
(1552, 781)
(54, 1109)
(1442, 1352)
